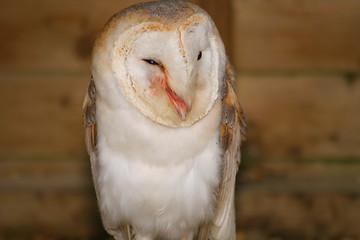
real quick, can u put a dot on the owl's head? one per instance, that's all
(166, 57)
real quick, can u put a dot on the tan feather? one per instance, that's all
(204, 231)
(232, 129)
(126, 232)
(89, 108)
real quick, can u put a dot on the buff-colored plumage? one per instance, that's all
(163, 125)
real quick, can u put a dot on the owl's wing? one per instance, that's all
(232, 131)
(89, 107)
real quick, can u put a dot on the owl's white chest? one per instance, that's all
(154, 177)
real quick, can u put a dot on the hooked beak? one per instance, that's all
(181, 107)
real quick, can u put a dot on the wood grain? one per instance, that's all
(296, 35)
(301, 116)
(42, 114)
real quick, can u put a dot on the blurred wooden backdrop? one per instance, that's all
(298, 65)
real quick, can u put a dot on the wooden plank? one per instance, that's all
(52, 36)
(301, 116)
(280, 215)
(296, 35)
(289, 200)
(51, 195)
(42, 114)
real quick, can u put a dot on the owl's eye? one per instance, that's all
(199, 55)
(150, 61)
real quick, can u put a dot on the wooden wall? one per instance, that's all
(298, 66)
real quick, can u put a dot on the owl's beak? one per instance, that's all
(181, 107)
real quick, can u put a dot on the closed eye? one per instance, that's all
(150, 61)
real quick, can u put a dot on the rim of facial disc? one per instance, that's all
(120, 53)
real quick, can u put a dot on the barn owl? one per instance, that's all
(163, 125)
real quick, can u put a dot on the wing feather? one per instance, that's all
(89, 107)
(233, 129)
